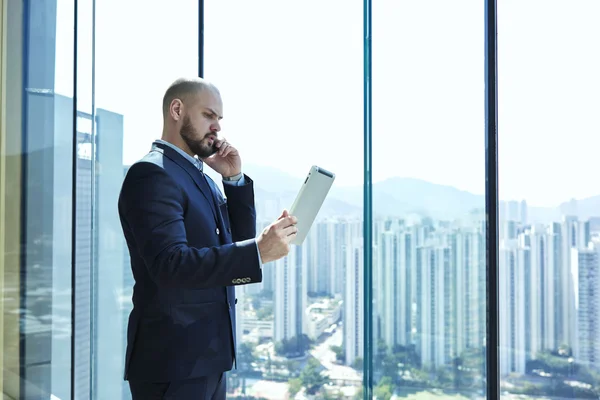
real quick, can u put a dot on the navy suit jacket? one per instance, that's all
(189, 247)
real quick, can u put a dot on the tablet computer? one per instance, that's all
(309, 200)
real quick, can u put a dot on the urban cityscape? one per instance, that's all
(292, 78)
(302, 327)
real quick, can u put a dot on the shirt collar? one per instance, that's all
(195, 161)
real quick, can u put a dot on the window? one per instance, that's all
(293, 98)
(36, 195)
(549, 329)
(428, 268)
(133, 68)
(81, 85)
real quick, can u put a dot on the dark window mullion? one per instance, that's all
(491, 199)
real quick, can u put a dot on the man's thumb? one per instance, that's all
(284, 214)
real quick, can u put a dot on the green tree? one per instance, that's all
(245, 356)
(380, 353)
(389, 367)
(293, 347)
(407, 355)
(358, 364)
(295, 385)
(264, 313)
(384, 389)
(339, 353)
(311, 376)
(293, 367)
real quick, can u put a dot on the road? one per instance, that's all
(326, 356)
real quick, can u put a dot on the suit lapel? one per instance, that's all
(195, 174)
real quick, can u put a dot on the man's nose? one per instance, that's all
(216, 127)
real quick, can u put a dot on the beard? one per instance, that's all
(199, 147)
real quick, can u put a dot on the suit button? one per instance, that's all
(217, 231)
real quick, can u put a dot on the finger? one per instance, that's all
(290, 237)
(228, 150)
(284, 214)
(220, 142)
(285, 222)
(290, 230)
(223, 148)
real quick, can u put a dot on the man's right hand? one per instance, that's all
(274, 241)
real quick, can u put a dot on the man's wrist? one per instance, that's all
(233, 178)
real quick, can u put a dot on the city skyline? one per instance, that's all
(430, 279)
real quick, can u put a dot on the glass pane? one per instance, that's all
(548, 144)
(36, 200)
(293, 98)
(429, 311)
(136, 60)
(84, 233)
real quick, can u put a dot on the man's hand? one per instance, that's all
(274, 241)
(226, 161)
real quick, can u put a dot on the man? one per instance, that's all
(189, 247)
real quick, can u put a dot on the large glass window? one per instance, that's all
(36, 199)
(549, 218)
(291, 80)
(136, 59)
(428, 269)
(81, 101)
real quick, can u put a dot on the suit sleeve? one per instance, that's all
(242, 211)
(151, 206)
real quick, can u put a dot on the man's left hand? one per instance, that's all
(226, 161)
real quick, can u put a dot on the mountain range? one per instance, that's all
(397, 196)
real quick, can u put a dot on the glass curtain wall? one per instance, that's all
(36, 192)
(548, 66)
(429, 221)
(133, 68)
(293, 99)
(81, 86)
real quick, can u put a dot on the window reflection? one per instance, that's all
(36, 197)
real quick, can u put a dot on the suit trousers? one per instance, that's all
(212, 387)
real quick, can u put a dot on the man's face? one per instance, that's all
(200, 123)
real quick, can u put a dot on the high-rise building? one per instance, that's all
(353, 323)
(548, 280)
(512, 313)
(586, 281)
(290, 296)
(404, 296)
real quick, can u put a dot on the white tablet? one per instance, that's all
(309, 200)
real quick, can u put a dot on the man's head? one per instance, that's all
(192, 109)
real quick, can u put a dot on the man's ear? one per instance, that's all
(176, 109)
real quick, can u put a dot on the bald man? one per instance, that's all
(190, 246)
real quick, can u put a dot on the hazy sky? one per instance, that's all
(291, 78)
